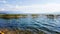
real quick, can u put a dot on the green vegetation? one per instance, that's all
(50, 16)
(16, 16)
(35, 15)
(9, 16)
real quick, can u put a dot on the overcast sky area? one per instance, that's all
(30, 6)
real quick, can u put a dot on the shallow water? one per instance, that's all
(39, 24)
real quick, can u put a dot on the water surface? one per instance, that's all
(38, 24)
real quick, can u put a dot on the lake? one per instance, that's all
(35, 25)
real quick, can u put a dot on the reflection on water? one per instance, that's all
(38, 25)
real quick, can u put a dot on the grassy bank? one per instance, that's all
(9, 16)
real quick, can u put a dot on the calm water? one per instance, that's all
(47, 25)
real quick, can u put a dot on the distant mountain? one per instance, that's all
(20, 12)
(10, 12)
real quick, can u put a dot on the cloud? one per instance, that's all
(3, 1)
(37, 8)
(2, 9)
(40, 8)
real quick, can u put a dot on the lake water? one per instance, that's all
(44, 24)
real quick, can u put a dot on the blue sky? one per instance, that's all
(30, 6)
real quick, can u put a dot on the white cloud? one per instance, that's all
(40, 8)
(34, 8)
(3, 1)
(2, 9)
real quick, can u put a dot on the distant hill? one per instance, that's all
(10, 12)
(20, 12)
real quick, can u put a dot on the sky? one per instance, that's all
(30, 6)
